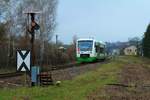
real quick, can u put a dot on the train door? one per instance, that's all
(97, 50)
(102, 52)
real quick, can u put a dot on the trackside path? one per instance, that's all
(133, 84)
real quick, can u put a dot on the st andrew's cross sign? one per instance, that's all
(23, 60)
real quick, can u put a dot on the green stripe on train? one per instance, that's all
(87, 59)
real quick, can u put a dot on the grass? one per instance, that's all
(77, 89)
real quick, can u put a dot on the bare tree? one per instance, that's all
(11, 11)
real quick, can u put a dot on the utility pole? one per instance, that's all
(56, 39)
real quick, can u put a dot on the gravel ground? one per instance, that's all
(12, 82)
(70, 73)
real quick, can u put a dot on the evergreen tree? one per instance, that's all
(146, 42)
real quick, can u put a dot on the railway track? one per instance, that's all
(67, 73)
(52, 68)
(59, 67)
(8, 75)
(60, 72)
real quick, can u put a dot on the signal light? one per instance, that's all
(34, 25)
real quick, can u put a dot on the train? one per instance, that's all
(90, 50)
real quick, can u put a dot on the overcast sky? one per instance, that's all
(105, 20)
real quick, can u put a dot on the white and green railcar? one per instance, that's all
(90, 50)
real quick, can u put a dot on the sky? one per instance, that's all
(103, 20)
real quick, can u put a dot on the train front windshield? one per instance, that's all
(85, 45)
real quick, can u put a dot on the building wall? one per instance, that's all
(131, 50)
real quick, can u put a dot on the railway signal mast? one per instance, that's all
(31, 30)
(32, 26)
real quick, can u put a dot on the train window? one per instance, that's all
(96, 48)
(85, 45)
(101, 50)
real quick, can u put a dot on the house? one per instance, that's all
(131, 50)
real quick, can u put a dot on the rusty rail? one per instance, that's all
(14, 74)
